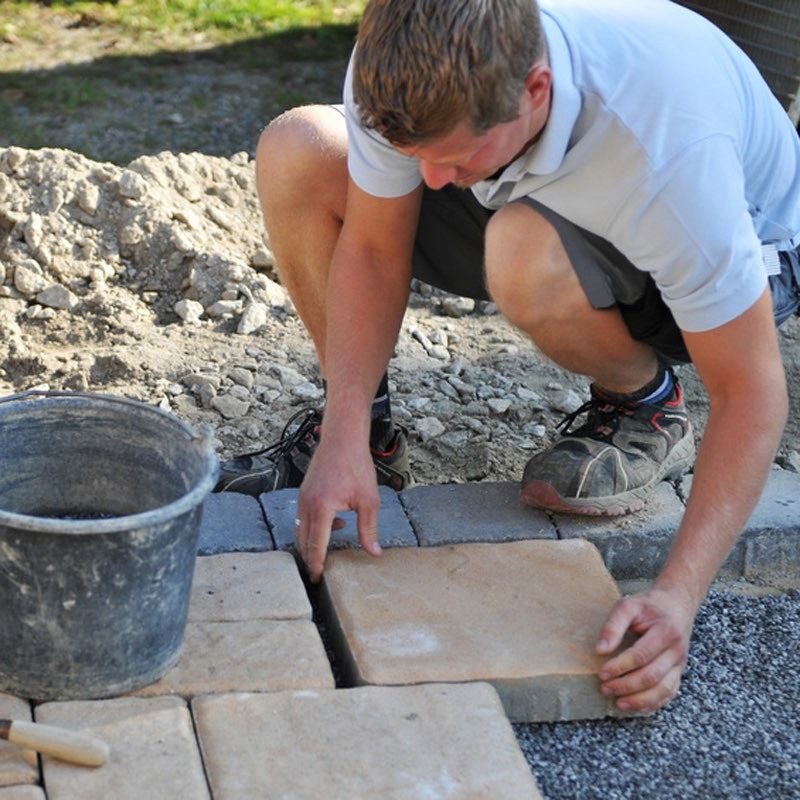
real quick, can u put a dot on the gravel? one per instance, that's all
(734, 731)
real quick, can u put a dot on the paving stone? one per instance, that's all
(240, 586)
(393, 743)
(154, 752)
(16, 765)
(769, 547)
(232, 523)
(22, 793)
(524, 616)
(635, 545)
(394, 528)
(247, 656)
(473, 512)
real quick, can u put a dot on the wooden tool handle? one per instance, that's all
(73, 746)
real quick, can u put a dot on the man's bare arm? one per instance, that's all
(740, 365)
(367, 293)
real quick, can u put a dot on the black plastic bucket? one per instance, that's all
(100, 504)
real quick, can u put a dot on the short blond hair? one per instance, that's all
(423, 66)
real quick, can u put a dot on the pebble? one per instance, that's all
(189, 311)
(243, 377)
(439, 352)
(230, 407)
(499, 405)
(131, 184)
(535, 429)
(458, 306)
(307, 391)
(418, 403)
(57, 296)
(254, 317)
(566, 401)
(224, 308)
(28, 278)
(447, 389)
(429, 428)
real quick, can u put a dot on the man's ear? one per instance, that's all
(538, 84)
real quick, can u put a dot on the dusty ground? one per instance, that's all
(150, 276)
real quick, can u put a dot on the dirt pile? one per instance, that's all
(155, 280)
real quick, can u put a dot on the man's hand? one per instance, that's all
(337, 480)
(646, 675)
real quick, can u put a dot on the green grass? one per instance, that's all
(219, 20)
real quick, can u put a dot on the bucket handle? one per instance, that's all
(204, 436)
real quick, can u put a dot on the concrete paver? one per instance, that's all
(154, 753)
(393, 743)
(16, 765)
(524, 616)
(232, 523)
(769, 547)
(240, 586)
(22, 793)
(395, 530)
(633, 546)
(475, 512)
(247, 656)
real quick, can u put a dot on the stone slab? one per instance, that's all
(635, 545)
(393, 743)
(247, 656)
(22, 793)
(241, 586)
(394, 528)
(232, 523)
(524, 616)
(474, 512)
(769, 547)
(16, 765)
(154, 752)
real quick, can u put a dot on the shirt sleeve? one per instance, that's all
(690, 227)
(374, 165)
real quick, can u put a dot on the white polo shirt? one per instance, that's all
(662, 138)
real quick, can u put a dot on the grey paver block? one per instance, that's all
(635, 545)
(524, 616)
(232, 523)
(16, 765)
(474, 512)
(769, 547)
(22, 793)
(393, 743)
(240, 586)
(394, 528)
(247, 656)
(154, 752)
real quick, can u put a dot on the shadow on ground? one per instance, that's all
(216, 100)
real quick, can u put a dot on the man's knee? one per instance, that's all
(303, 150)
(528, 272)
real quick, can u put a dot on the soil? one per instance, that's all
(133, 261)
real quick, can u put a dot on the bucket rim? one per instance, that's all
(202, 434)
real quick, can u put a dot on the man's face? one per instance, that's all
(463, 158)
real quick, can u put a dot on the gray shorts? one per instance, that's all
(449, 254)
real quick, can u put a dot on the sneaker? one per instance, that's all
(608, 465)
(283, 464)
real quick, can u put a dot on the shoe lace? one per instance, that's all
(602, 415)
(298, 427)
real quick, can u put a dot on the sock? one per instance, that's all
(656, 391)
(382, 429)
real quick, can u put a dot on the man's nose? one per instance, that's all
(435, 175)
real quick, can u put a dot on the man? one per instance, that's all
(620, 180)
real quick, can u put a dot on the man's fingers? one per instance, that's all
(659, 638)
(313, 535)
(644, 678)
(620, 619)
(368, 528)
(654, 698)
